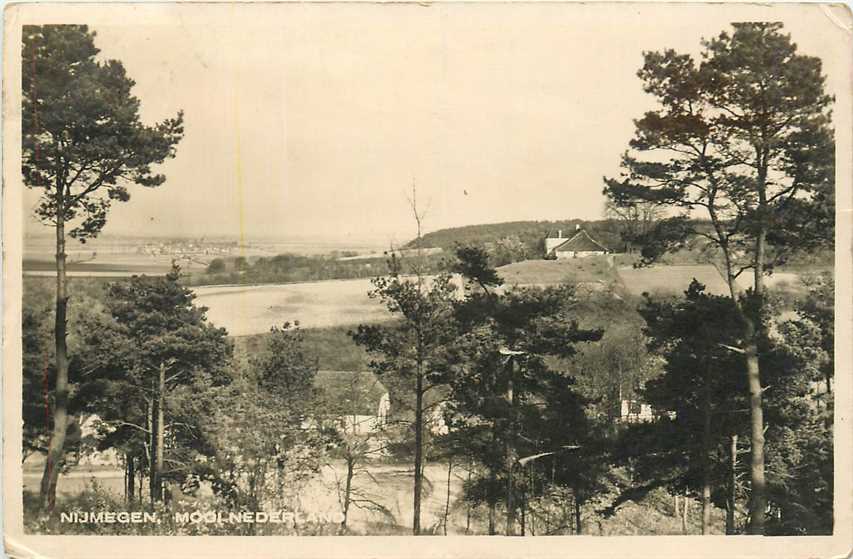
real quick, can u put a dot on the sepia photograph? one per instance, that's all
(540, 270)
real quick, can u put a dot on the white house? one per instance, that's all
(579, 245)
(358, 401)
(635, 411)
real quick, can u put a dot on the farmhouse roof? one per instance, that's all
(580, 242)
(350, 392)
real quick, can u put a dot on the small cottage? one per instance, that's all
(356, 399)
(579, 245)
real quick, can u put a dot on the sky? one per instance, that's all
(316, 120)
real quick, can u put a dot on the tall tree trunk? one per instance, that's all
(578, 519)
(510, 454)
(126, 482)
(732, 500)
(758, 498)
(684, 515)
(468, 507)
(152, 444)
(156, 479)
(56, 448)
(706, 453)
(758, 501)
(419, 451)
(153, 478)
(447, 499)
(130, 461)
(348, 489)
(492, 517)
(572, 528)
(161, 429)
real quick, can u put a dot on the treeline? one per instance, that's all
(290, 268)
(504, 243)
(529, 235)
(515, 241)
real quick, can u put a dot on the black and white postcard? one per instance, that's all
(321, 279)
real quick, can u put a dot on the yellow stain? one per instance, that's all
(239, 163)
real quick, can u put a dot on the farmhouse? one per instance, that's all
(580, 245)
(356, 400)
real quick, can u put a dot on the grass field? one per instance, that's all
(247, 310)
(252, 310)
(110, 265)
(672, 279)
(553, 272)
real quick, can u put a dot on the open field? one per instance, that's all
(672, 279)
(250, 310)
(245, 310)
(675, 279)
(110, 265)
(553, 272)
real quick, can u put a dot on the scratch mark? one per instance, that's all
(827, 11)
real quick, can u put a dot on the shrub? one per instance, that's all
(216, 266)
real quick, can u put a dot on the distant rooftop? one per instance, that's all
(581, 242)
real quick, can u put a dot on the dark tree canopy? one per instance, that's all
(83, 141)
(744, 135)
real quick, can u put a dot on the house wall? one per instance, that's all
(552, 242)
(562, 255)
(643, 415)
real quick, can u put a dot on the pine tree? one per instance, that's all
(743, 137)
(82, 144)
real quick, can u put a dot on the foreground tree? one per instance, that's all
(39, 372)
(745, 138)
(82, 143)
(689, 449)
(800, 416)
(413, 347)
(347, 414)
(261, 429)
(507, 401)
(142, 361)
